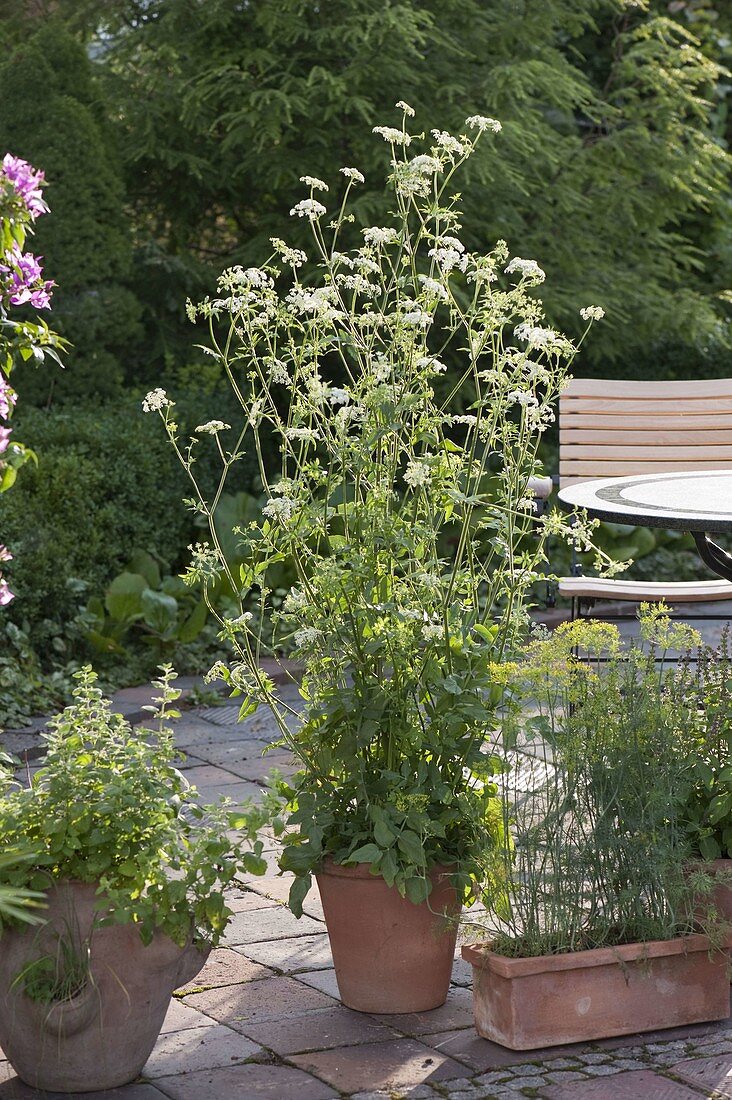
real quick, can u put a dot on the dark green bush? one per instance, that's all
(107, 483)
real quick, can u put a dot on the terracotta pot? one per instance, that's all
(720, 897)
(550, 1000)
(389, 954)
(102, 1036)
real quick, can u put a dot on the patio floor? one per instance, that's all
(263, 1018)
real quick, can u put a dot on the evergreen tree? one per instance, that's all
(54, 120)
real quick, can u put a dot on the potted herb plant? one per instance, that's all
(705, 698)
(407, 382)
(132, 873)
(594, 935)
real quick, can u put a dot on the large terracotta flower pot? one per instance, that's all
(102, 1036)
(389, 954)
(549, 1000)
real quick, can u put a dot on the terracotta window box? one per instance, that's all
(550, 1000)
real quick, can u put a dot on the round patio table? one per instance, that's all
(698, 501)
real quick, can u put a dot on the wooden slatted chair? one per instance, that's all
(610, 428)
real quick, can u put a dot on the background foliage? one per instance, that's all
(173, 134)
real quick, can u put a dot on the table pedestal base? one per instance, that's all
(718, 560)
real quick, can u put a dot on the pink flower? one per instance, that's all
(26, 181)
(4, 439)
(8, 397)
(24, 284)
(5, 554)
(5, 594)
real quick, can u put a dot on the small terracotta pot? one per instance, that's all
(102, 1036)
(389, 954)
(550, 1000)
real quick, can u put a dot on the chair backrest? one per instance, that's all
(609, 428)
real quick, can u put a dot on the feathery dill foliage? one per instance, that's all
(412, 529)
(593, 791)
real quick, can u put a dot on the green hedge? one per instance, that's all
(106, 484)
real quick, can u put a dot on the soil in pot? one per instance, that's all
(390, 955)
(551, 1000)
(100, 1036)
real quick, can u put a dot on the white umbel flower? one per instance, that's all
(155, 400)
(592, 313)
(308, 208)
(314, 182)
(416, 474)
(481, 123)
(212, 427)
(392, 135)
(353, 174)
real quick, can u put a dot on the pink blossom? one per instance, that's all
(5, 594)
(5, 554)
(27, 182)
(25, 285)
(8, 397)
(4, 439)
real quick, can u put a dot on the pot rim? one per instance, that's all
(363, 870)
(482, 957)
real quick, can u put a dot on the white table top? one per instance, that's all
(691, 501)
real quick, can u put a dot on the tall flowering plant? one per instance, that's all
(409, 516)
(21, 284)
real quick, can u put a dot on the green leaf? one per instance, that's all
(367, 853)
(194, 624)
(410, 844)
(143, 563)
(160, 611)
(383, 835)
(417, 889)
(123, 599)
(298, 893)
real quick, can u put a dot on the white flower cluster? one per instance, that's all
(432, 632)
(306, 635)
(277, 372)
(433, 288)
(353, 174)
(280, 509)
(402, 106)
(592, 313)
(428, 362)
(314, 182)
(212, 427)
(301, 435)
(449, 253)
(392, 135)
(379, 237)
(318, 301)
(155, 400)
(535, 336)
(416, 474)
(293, 257)
(308, 208)
(450, 144)
(481, 123)
(338, 396)
(528, 269)
(294, 602)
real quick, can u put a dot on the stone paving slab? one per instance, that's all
(271, 923)
(199, 1048)
(291, 955)
(326, 1030)
(247, 1082)
(402, 1062)
(270, 999)
(226, 967)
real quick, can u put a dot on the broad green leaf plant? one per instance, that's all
(110, 807)
(411, 526)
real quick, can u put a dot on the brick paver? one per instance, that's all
(270, 999)
(712, 1074)
(643, 1085)
(248, 1082)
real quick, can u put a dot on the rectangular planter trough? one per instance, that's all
(550, 1000)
